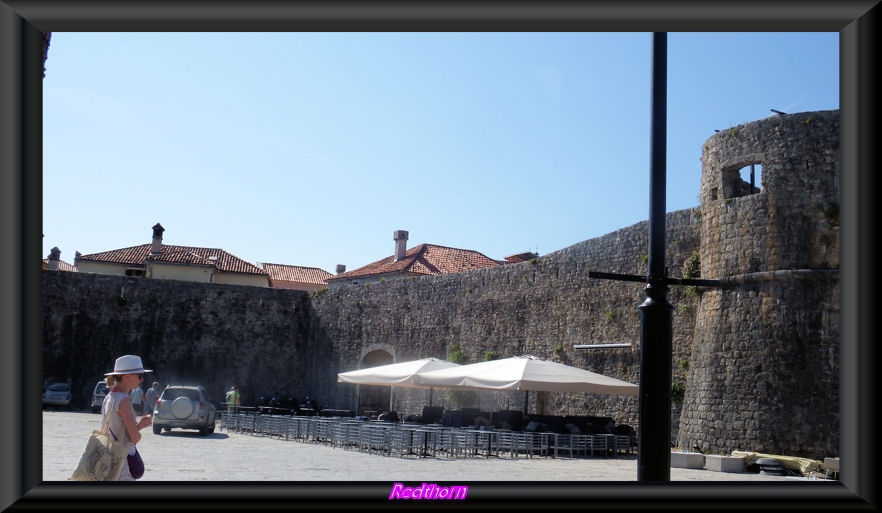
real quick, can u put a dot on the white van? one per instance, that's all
(98, 396)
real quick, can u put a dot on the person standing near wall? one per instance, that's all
(151, 397)
(233, 400)
(138, 400)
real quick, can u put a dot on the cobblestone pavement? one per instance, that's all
(183, 455)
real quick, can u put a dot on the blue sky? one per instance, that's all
(313, 148)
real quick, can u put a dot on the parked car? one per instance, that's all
(185, 407)
(98, 395)
(58, 394)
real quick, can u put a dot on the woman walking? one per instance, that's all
(128, 373)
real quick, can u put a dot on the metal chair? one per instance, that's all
(460, 443)
(482, 441)
(580, 444)
(246, 423)
(373, 439)
(447, 443)
(623, 444)
(560, 442)
(339, 434)
(540, 444)
(276, 426)
(524, 443)
(504, 443)
(298, 428)
(323, 428)
(401, 442)
(599, 443)
(353, 434)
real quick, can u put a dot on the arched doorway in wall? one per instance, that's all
(374, 399)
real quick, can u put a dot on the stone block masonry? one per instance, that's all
(758, 357)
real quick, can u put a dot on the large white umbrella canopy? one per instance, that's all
(401, 374)
(525, 373)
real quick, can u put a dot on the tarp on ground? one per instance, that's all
(801, 465)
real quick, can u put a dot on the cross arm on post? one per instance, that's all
(667, 281)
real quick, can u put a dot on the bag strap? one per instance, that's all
(105, 425)
(106, 422)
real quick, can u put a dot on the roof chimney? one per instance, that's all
(400, 237)
(341, 268)
(54, 257)
(156, 247)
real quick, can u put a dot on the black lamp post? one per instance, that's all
(656, 347)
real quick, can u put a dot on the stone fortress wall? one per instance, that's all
(764, 369)
(758, 356)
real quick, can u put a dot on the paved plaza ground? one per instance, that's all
(183, 455)
(244, 463)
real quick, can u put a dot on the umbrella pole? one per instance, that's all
(526, 402)
(431, 391)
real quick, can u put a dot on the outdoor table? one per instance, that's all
(419, 435)
(429, 434)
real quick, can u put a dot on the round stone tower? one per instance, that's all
(764, 371)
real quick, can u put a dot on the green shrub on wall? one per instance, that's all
(457, 355)
(692, 270)
(678, 392)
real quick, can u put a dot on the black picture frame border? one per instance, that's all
(21, 23)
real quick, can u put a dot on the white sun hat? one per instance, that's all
(128, 364)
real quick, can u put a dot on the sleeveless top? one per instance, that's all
(115, 425)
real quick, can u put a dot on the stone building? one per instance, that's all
(172, 262)
(420, 260)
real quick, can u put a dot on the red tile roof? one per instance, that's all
(62, 265)
(424, 259)
(283, 272)
(139, 255)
